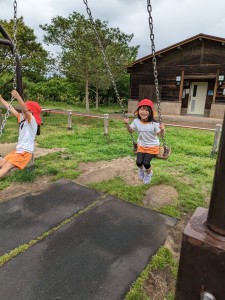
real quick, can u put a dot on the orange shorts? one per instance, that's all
(19, 160)
(149, 150)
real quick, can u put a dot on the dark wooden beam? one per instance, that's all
(181, 86)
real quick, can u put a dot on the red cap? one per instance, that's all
(36, 110)
(145, 102)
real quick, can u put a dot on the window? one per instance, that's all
(194, 91)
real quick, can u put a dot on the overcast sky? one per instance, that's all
(173, 20)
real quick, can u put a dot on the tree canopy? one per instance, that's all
(78, 70)
(33, 57)
(80, 56)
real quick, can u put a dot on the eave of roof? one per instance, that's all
(198, 36)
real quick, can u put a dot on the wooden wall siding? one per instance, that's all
(201, 60)
(220, 98)
(148, 91)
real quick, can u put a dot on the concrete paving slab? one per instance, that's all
(26, 217)
(95, 257)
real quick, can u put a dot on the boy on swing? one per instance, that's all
(29, 124)
(148, 142)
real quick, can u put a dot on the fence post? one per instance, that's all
(216, 141)
(69, 120)
(106, 124)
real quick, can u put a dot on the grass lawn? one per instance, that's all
(189, 169)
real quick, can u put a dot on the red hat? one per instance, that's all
(36, 110)
(145, 102)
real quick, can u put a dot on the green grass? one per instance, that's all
(161, 260)
(189, 169)
(82, 108)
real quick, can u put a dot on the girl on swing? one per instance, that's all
(29, 125)
(148, 142)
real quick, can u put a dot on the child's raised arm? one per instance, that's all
(17, 96)
(6, 105)
(22, 104)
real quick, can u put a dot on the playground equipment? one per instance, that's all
(17, 79)
(201, 272)
(164, 150)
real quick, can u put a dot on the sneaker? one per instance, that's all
(148, 178)
(141, 174)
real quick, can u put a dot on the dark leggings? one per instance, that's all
(144, 159)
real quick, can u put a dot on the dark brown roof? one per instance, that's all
(195, 37)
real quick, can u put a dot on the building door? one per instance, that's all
(197, 98)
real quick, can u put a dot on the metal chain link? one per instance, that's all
(15, 44)
(103, 55)
(106, 63)
(15, 66)
(154, 62)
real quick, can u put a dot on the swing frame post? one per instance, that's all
(215, 219)
(202, 258)
(8, 42)
(17, 79)
(18, 83)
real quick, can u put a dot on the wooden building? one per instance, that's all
(191, 76)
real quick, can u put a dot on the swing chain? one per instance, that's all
(15, 66)
(150, 19)
(15, 41)
(106, 63)
(103, 55)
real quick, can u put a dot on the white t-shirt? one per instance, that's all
(27, 134)
(147, 132)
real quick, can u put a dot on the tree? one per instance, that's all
(33, 58)
(54, 89)
(81, 57)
